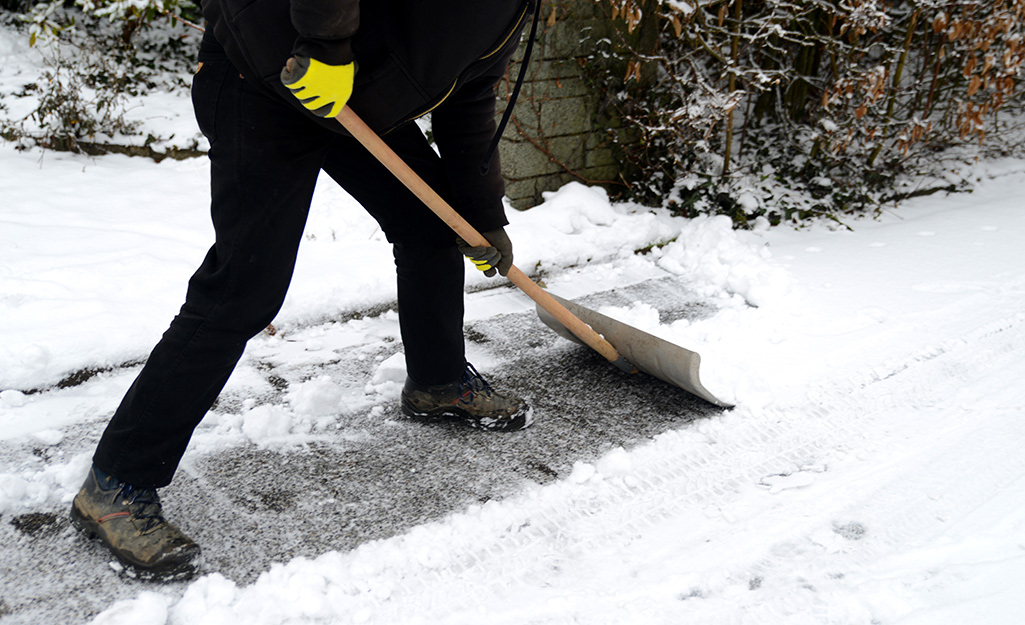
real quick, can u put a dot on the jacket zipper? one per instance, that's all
(438, 103)
(509, 34)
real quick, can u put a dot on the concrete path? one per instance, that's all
(250, 507)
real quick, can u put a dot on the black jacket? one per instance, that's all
(413, 57)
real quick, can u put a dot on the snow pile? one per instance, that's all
(715, 258)
(389, 376)
(320, 396)
(149, 608)
(310, 407)
(579, 224)
(736, 270)
(267, 425)
(49, 486)
(386, 383)
(13, 399)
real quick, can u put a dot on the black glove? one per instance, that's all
(498, 256)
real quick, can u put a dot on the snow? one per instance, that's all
(871, 471)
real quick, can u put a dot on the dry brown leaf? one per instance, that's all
(969, 66)
(973, 85)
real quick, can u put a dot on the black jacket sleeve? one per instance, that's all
(326, 28)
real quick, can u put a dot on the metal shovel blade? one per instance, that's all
(650, 354)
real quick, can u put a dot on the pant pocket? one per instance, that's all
(207, 85)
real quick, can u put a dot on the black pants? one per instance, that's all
(265, 158)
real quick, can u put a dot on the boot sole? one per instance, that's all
(518, 421)
(173, 571)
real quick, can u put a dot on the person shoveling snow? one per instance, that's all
(266, 151)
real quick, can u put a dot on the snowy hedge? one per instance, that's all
(98, 54)
(835, 100)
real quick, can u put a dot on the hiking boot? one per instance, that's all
(128, 521)
(470, 400)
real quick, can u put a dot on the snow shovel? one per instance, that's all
(637, 350)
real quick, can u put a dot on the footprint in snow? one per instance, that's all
(780, 483)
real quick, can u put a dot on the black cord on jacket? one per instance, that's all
(485, 166)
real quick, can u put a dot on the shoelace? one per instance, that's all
(471, 384)
(145, 497)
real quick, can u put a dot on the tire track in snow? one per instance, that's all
(905, 516)
(702, 472)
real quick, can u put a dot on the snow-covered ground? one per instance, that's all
(871, 472)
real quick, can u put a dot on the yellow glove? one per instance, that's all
(323, 89)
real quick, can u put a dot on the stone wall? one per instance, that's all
(556, 134)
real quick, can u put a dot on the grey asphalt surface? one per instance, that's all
(251, 507)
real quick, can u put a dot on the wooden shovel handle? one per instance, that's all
(365, 135)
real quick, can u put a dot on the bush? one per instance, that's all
(789, 110)
(98, 55)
